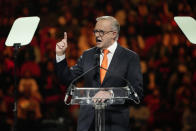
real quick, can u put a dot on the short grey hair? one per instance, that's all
(115, 24)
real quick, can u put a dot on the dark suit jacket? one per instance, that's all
(125, 63)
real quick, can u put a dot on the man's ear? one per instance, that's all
(114, 35)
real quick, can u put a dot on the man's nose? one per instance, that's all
(97, 34)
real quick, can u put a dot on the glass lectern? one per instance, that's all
(85, 96)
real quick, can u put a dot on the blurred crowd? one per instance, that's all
(168, 62)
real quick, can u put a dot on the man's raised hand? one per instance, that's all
(62, 45)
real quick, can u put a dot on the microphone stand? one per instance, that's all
(71, 85)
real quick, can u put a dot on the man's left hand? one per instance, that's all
(101, 96)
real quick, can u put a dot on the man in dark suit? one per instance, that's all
(119, 62)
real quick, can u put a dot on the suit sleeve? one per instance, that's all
(66, 74)
(134, 75)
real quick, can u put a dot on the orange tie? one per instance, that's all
(104, 64)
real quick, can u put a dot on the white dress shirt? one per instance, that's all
(111, 49)
(60, 58)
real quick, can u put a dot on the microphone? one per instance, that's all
(71, 85)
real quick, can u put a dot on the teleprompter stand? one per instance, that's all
(21, 34)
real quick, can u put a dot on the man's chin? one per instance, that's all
(99, 45)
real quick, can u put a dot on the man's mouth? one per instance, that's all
(98, 40)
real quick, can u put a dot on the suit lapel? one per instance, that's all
(114, 63)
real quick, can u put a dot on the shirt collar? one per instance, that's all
(112, 48)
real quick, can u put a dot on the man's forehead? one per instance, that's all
(103, 24)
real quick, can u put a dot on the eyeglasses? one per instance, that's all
(101, 32)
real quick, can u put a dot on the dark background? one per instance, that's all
(168, 61)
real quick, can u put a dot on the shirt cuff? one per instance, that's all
(112, 93)
(60, 58)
